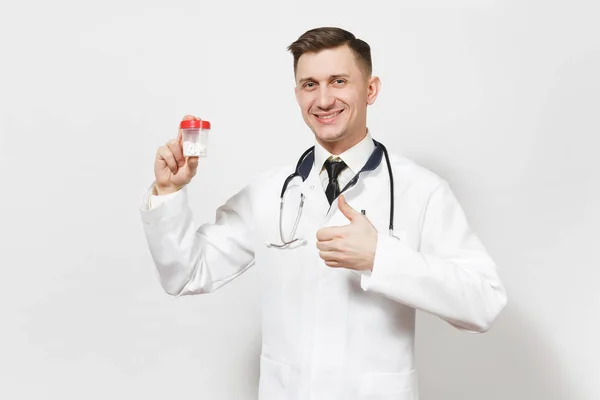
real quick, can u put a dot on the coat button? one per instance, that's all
(312, 186)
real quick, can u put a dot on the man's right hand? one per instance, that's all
(171, 169)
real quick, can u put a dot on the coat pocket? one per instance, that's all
(389, 386)
(274, 379)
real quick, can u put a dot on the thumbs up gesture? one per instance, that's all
(350, 246)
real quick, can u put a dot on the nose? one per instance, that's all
(325, 100)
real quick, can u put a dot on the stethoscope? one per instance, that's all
(303, 168)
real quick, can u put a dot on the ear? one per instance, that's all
(297, 93)
(373, 89)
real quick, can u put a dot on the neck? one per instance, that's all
(339, 146)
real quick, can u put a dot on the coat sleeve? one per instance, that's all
(451, 275)
(194, 260)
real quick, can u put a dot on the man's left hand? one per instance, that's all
(350, 246)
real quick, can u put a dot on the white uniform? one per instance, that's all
(333, 333)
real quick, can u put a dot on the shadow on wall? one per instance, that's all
(551, 205)
(511, 361)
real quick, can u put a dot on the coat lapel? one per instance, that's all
(371, 193)
(315, 202)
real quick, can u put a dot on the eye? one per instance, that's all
(309, 85)
(339, 81)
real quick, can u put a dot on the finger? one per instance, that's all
(329, 255)
(164, 153)
(192, 166)
(324, 234)
(177, 150)
(333, 264)
(334, 256)
(329, 245)
(330, 233)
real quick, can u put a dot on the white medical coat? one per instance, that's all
(332, 333)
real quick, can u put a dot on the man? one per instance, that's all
(339, 300)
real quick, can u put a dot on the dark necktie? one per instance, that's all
(333, 166)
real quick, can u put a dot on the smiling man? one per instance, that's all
(339, 286)
(333, 86)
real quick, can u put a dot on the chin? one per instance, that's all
(328, 135)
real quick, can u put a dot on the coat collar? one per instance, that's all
(316, 201)
(355, 157)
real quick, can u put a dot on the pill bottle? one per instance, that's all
(194, 137)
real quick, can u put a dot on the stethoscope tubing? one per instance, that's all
(296, 173)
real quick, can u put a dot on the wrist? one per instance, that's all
(159, 190)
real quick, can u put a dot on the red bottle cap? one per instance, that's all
(194, 124)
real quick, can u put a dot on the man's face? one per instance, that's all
(333, 92)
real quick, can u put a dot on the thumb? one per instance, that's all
(345, 208)
(185, 118)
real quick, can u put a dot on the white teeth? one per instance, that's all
(329, 116)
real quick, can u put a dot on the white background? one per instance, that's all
(501, 98)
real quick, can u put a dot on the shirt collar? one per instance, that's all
(355, 157)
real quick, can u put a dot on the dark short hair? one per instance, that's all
(318, 39)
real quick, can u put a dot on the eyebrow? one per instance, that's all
(331, 77)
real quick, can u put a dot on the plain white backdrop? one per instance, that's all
(500, 98)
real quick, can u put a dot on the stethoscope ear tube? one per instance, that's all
(296, 172)
(299, 172)
(285, 185)
(391, 175)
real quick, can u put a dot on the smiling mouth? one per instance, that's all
(327, 118)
